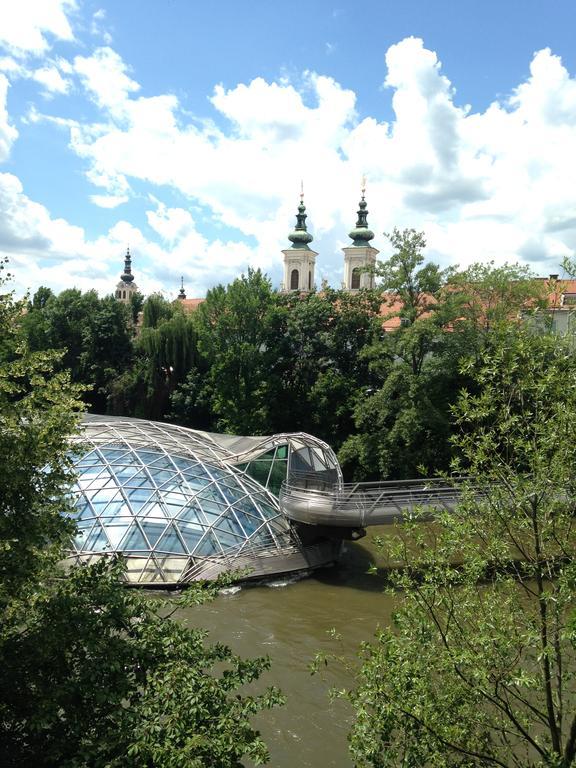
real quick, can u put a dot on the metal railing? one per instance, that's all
(316, 502)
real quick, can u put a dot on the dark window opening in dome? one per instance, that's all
(294, 280)
(355, 279)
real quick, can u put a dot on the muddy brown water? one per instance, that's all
(290, 620)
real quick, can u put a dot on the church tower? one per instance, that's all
(299, 259)
(360, 256)
(126, 287)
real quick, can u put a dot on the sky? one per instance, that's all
(183, 129)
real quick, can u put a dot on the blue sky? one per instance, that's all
(183, 129)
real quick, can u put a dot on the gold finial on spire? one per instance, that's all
(363, 185)
(302, 190)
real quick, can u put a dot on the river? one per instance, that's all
(289, 621)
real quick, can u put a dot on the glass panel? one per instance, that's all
(259, 470)
(112, 455)
(184, 464)
(171, 543)
(153, 531)
(191, 536)
(282, 452)
(153, 509)
(192, 514)
(134, 540)
(116, 533)
(96, 541)
(249, 523)
(115, 508)
(228, 541)
(208, 546)
(230, 525)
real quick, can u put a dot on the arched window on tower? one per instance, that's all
(355, 283)
(123, 294)
(294, 280)
(310, 280)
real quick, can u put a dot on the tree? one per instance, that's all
(478, 668)
(94, 675)
(232, 327)
(402, 420)
(317, 372)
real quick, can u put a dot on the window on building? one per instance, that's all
(310, 280)
(355, 279)
(294, 280)
(123, 294)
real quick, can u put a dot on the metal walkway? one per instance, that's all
(309, 499)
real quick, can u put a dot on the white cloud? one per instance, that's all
(104, 76)
(497, 184)
(8, 133)
(51, 79)
(109, 201)
(27, 25)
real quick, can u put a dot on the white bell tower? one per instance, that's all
(126, 287)
(360, 257)
(299, 259)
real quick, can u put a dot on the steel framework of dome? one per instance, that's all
(180, 504)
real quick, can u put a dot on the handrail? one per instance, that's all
(361, 504)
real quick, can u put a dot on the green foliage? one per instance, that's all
(93, 334)
(478, 668)
(319, 372)
(169, 348)
(36, 409)
(93, 674)
(232, 327)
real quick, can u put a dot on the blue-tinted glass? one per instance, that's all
(230, 525)
(249, 523)
(147, 457)
(105, 494)
(83, 511)
(173, 510)
(125, 473)
(134, 540)
(176, 483)
(228, 541)
(163, 462)
(210, 506)
(184, 464)
(211, 493)
(139, 496)
(171, 543)
(172, 497)
(114, 454)
(153, 531)
(96, 540)
(190, 535)
(267, 510)
(116, 533)
(196, 482)
(192, 513)
(247, 505)
(160, 475)
(153, 509)
(208, 546)
(231, 495)
(115, 508)
(92, 457)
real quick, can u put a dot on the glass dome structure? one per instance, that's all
(179, 504)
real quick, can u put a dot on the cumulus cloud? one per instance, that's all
(104, 75)
(26, 26)
(497, 184)
(8, 133)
